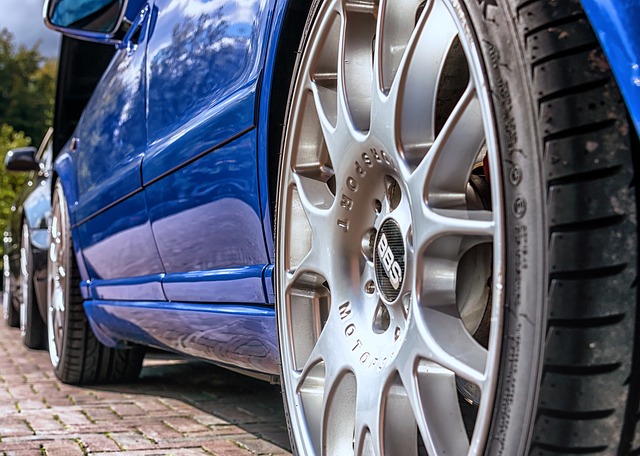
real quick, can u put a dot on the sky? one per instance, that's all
(23, 18)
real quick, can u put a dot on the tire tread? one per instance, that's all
(589, 371)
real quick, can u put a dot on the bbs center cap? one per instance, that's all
(389, 260)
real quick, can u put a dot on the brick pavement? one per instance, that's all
(178, 407)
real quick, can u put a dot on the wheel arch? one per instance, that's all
(615, 25)
(64, 173)
(288, 23)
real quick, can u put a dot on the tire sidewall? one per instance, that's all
(491, 25)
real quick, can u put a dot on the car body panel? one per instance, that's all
(204, 60)
(616, 23)
(118, 243)
(140, 288)
(110, 139)
(241, 336)
(233, 285)
(214, 204)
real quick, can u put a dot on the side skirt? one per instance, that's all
(238, 336)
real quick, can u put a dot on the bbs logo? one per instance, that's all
(391, 267)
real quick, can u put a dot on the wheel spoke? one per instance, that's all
(339, 413)
(414, 89)
(432, 395)
(445, 341)
(435, 224)
(337, 138)
(368, 424)
(442, 175)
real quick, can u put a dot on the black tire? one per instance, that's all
(10, 313)
(32, 327)
(569, 173)
(569, 379)
(76, 354)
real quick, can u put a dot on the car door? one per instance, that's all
(200, 170)
(107, 148)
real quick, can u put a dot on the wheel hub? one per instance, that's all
(389, 260)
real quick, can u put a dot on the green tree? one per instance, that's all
(10, 183)
(27, 87)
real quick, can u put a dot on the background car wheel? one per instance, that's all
(77, 356)
(456, 239)
(11, 315)
(32, 326)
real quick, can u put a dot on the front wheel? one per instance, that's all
(456, 243)
(76, 354)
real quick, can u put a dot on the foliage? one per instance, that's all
(27, 87)
(10, 183)
(27, 93)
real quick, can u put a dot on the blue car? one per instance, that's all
(418, 216)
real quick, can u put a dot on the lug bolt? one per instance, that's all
(367, 243)
(369, 287)
(377, 206)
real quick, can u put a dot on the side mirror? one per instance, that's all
(102, 21)
(22, 159)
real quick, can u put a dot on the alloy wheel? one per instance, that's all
(57, 288)
(25, 277)
(390, 235)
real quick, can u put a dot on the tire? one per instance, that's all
(456, 234)
(32, 328)
(11, 315)
(76, 354)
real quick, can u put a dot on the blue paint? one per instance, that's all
(110, 137)
(240, 336)
(144, 288)
(233, 285)
(214, 205)
(269, 290)
(119, 243)
(616, 24)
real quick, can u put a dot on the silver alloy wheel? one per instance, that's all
(25, 254)
(389, 272)
(57, 265)
(6, 287)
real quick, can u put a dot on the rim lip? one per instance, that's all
(55, 291)
(478, 73)
(25, 277)
(6, 287)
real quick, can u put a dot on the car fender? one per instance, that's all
(64, 171)
(616, 25)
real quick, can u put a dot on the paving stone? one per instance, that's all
(63, 448)
(178, 407)
(185, 425)
(12, 427)
(98, 442)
